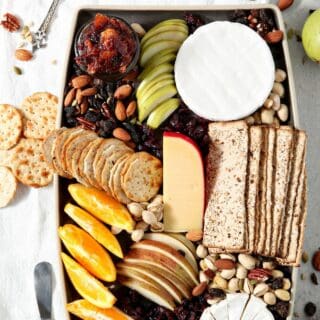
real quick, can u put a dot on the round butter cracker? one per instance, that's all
(8, 186)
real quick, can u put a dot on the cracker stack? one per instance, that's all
(106, 164)
(256, 191)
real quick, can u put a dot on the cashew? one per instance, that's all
(278, 89)
(267, 116)
(149, 217)
(268, 103)
(276, 101)
(280, 75)
(283, 113)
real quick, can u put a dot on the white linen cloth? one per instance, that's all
(27, 226)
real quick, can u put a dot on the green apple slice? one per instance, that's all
(167, 35)
(162, 112)
(157, 57)
(153, 101)
(162, 68)
(174, 24)
(154, 88)
(146, 85)
(164, 59)
(154, 48)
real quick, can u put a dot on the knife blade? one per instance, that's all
(43, 288)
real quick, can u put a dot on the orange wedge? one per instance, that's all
(85, 310)
(86, 285)
(102, 206)
(88, 252)
(95, 228)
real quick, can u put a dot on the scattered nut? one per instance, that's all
(283, 113)
(220, 282)
(241, 272)
(194, 235)
(17, 70)
(283, 295)
(137, 235)
(131, 108)
(148, 217)
(260, 289)
(316, 260)
(247, 261)
(314, 278)
(305, 257)
(23, 55)
(280, 75)
(123, 92)
(233, 285)
(286, 284)
(121, 134)
(120, 111)
(228, 273)
(199, 289)
(277, 274)
(284, 4)
(270, 298)
(274, 36)
(201, 251)
(267, 116)
(278, 89)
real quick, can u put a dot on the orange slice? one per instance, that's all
(95, 228)
(86, 285)
(102, 206)
(85, 310)
(88, 252)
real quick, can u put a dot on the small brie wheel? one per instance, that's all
(224, 71)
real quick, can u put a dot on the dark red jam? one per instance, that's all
(106, 46)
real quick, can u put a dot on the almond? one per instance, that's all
(199, 289)
(224, 264)
(120, 111)
(123, 92)
(121, 134)
(81, 81)
(284, 4)
(194, 235)
(131, 109)
(84, 106)
(89, 92)
(132, 75)
(23, 55)
(79, 96)
(69, 97)
(274, 36)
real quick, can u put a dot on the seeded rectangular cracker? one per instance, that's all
(225, 221)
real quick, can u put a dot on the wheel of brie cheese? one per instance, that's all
(224, 71)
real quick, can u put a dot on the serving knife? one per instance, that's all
(43, 288)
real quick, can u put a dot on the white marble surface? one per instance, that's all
(26, 233)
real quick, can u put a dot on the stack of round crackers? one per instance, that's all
(106, 164)
(21, 136)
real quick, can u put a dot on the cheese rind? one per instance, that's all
(183, 184)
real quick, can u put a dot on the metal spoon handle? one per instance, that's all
(47, 20)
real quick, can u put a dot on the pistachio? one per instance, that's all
(269, 265)
(286, 284)
(137, 235)
(157, 227)
(228, 256)
(283, 113)
(260, 289)
(282, 294)
(278, 89)
(241, 272)
(154, 207)
(247, 261)
(228, 273)
(280, 75)
(233, 285)
(220, 282)
(267, 116)
(277, 273)
(209, 261)
(203, 265)
(158, 199)
(201, 251)
(135, 209)
(247, 286)
(270, 298)
(144, 205)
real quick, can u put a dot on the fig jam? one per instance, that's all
(106, 46)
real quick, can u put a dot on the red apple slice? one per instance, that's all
(174, 259)
(183, 183)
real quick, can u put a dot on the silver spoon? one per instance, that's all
(39, 38)
(43, 287)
